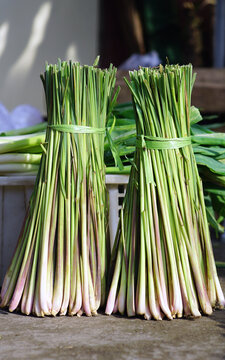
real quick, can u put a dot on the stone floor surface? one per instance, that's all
(114, 337)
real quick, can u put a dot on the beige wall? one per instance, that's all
(35, 31)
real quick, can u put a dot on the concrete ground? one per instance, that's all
(102, 337)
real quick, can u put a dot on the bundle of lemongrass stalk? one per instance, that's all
(162, 262)
(59, 265)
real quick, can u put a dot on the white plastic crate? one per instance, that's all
(14, 199)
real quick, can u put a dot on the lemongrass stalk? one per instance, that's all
(59, 269)
(141, 289)
(27, 130)
(114, 284)
(12, 144)
(78, 299)
(66, 294)
(17, 168)
(20, 158)
(51, 257)
(72, 241)
(130, 225)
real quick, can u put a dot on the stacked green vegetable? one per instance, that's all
(60, 262)
(209, 150)
(162, 262)
(20, 151)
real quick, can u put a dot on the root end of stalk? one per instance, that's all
(108, 313)
(80, 313)
(26, 312)
(54, 313)
(220, 306)
(147, 317)
(62, 313)
(12, 308)
(131, 314)
(72, 313)
(208, 310)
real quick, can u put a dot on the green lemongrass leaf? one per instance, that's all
(211, 215)
(210, 117)
(122, 121)
(114, 151)
(213, 222)
(124, 110)
(43, 148)
(113, 102)
(96, 62)
(12, 144)
(27, 130)
(215, 190)
(111, 128)
(125, 131)
(195, 115)
(126, 138)
(212, 151)
(124, 150)
(200, 129)
(209, 139)
(212, 164)
(220, 264)
(214, 125)
(221, 156)
(218, 204)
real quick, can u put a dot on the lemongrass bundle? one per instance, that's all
(59, 266)
(162, 261)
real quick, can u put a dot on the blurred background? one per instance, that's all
(140, 31)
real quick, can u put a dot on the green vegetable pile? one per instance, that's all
(21, 153)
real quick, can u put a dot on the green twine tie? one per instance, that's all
(159, 143)
(82, 129)
(77, 129)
